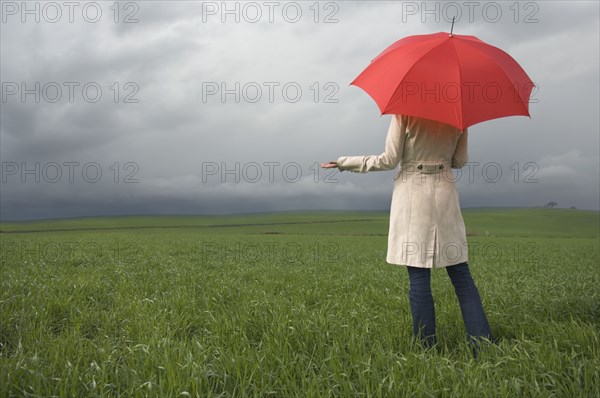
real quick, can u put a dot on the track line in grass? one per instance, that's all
(178, 226)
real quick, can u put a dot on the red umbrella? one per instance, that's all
(455, 79)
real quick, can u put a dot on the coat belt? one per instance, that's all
(434, 168)
(422, 168)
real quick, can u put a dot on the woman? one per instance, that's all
(426, 226)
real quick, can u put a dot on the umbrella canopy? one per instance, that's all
(455, 79)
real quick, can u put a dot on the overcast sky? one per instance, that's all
(158, 107)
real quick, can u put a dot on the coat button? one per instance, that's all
(420, 167)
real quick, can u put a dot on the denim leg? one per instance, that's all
(421, 304)
(469, 300)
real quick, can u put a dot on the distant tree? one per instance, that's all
(573, 207)
(551, 204)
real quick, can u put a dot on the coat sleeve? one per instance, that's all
(388, 160)
(461, 153)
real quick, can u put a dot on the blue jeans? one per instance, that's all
(421, 303)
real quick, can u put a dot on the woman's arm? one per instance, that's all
(461, 153)
(388, 160)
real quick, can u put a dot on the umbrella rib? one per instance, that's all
(459, 80)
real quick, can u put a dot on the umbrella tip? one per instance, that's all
(452, 28)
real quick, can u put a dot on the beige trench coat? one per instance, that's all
(426, 226)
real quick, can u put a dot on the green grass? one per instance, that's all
(534, 222)
(291, 304)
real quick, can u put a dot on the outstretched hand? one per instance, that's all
(329, 165)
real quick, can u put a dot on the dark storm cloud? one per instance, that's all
(157, 132)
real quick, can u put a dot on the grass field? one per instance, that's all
(291, 304)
